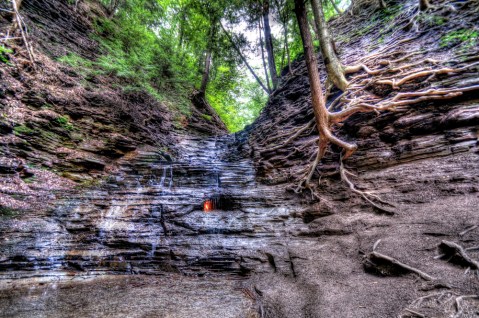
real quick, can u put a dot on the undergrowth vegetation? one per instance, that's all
(4, 54)
(465, 38)
(161, 46)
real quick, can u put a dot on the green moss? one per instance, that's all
(207, 117)
(466, 38)
(64, 122)
(49, 135)
(30, 179)
(23, 130)
(77, 137)
(438, 20)
(86, 183)
(390, 13)
(431, 20)
(4, 55)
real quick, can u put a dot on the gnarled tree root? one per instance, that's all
(392, 261)
(291, 137)
(457, 254)
(451, 304)
(369, 197)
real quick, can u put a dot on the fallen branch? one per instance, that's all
(402, 265)
(398, 263)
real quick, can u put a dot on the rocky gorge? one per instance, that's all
(110, 208)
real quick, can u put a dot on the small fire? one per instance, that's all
(208, 206)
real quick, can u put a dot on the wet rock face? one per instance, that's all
(150, 217)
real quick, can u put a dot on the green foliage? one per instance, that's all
(467, 38)
(64, 122)
(238, 102)
(139, 49)
(4, 54)
(83, 66)
(23, 130)
(432, 20)
(159, 46)
(207, 117)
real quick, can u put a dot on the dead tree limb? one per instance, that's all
(408, 268)
(20, 25)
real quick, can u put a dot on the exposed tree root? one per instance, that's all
(469, 229)
(292, 136)
(368, 196)
(395, 82)
(459, 307)
(451, 304)
(356, 68)
(379, 256)
(455, 253)
(358, 104)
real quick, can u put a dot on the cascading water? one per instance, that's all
(150, 217)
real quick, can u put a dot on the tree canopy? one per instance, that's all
(230, 51)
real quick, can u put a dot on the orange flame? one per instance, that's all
(207, 206)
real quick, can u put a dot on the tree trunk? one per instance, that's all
(320, 112)
(269, 44)
(333, 66)
(261, 44)
(286, 48)
(424, 5)
(245, 61)
(206, 73)
(284, 17)
(209, 49)
(182, 28)
(16, 4)
(288, 54)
